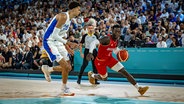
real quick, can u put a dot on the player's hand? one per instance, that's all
(70, 51)
(73, 45)
(89, 57)
(82, 55)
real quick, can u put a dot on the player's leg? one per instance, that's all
(65, 66)
(118, 67)
(53, 54)
(131, 79)
(102, 71)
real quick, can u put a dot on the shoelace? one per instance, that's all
(66, 90)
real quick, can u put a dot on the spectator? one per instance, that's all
(179, 34)
(143, 19)
(28, 59)
(7, 54)
(18, 59)
(148, 40)
(164, 14)
(153, 36)
(161, 43)
(169, 40)
(174, 42)
(36, 54)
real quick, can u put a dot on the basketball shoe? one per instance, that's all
(46, 72)
(142, 90)
(66, 91)
(91, 79)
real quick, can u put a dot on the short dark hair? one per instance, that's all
(73, 4)
(116, 26)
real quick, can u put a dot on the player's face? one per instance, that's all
(116, 33)
(77, 10)
(91, 29)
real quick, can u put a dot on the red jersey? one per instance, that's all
(104, 51)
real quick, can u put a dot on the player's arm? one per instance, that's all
(61, 19)
(116, 50)
(104, 41)
(70, 51)
(93, 45)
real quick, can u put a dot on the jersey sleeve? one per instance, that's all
(83, 38)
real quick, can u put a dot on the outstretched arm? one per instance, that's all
(116, 50)
(93, 45)
(102, 41)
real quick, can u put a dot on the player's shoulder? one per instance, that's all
(62, 16)
(84, 36)
(105, 40)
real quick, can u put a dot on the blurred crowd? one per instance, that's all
(144, 23)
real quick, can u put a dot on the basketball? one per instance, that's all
(122, 55)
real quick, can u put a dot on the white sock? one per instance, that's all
(64, 86)
(137, 86)
(93, 75)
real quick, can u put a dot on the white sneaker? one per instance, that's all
(46, 72)
(66, 92)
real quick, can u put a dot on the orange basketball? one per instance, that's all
(122, 55)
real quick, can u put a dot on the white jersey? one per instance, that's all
(55, 49)
(48, 33)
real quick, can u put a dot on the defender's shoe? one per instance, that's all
(66, 92)
(46, 72)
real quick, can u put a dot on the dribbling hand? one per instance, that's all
(73, 45)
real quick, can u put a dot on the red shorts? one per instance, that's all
(102, 64)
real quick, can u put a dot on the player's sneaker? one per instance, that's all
(142, 90)
(46, 72)
(91, 79)
(66, 92)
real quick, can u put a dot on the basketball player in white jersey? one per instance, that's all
(54, 44)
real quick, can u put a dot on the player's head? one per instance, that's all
(116, 32)
(92, 22)
(75, 8)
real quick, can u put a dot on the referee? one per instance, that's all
(86, 40)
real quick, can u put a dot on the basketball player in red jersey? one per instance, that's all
(107, 45)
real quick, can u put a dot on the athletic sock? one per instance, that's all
(93, 75)
(136, 86)
(63, 85)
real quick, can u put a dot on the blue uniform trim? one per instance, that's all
(46, 36)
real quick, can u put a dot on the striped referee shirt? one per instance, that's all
(87, 39)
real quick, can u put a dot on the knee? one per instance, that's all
(69, 67)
